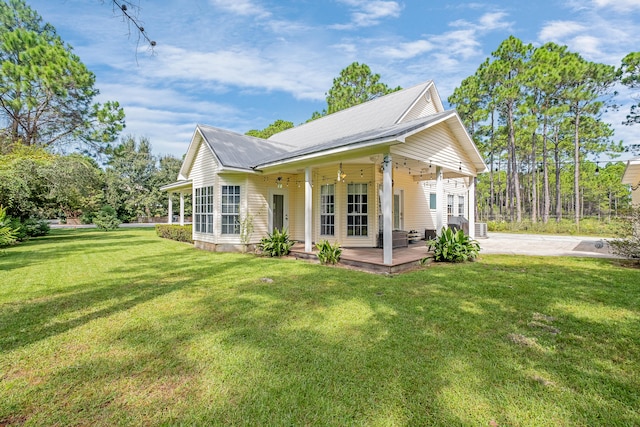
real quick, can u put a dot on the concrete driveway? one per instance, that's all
(545, 245)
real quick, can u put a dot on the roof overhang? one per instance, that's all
(631, 174)
(178, 186)
(389, 138)
(356, 148)
(192, 152)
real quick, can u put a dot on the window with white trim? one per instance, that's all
(230, 208)
(327, 210)
(203, 208)
(449, 204)
(357, 210)
(460, 205)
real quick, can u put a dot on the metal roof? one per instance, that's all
(374, 122)
(235, 150)
(380, 134)
(381, 112)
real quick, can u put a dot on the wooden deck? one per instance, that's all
(371, 259)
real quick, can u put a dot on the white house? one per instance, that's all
(631, 176)
(398, 162)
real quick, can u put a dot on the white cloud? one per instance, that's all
(588, 46)
(406, 50)
(487, 22)
(463, 43)
(367, 13)
(494, 21)
(241, 7)
(285, 69)
(557, 30)
(617, 5)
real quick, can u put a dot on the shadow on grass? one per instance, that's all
(238, 340)
(57, 245)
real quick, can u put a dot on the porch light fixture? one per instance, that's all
(460, 167)
(279, 182)
(341, 174)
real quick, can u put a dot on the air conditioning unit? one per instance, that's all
(481, 229)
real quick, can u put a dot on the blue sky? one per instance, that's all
(241, 64)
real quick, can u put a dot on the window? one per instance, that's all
(432, 200)
(204, 210)
(230, 209)
(449, 204)
(327, 210)
(460, 205)
(357, 213)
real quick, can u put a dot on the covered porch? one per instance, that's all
(182, 188)
(372, 259)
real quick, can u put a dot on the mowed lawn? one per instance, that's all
(124, 328)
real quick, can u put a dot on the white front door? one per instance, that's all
(278, 210)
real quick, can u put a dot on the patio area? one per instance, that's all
(371, 259)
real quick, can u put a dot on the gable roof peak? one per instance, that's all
(383, 111)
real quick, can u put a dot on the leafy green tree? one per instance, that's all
(272, 129)
(630, 76)
(47, 92)
(8, 234)
(36, 183)
(22, 186)
(589, 82)
(507, 71)
(355, 84)
(129, 186)
(542, 110)
(74, 185)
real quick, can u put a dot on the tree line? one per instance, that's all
(37, 183)
(536, 116)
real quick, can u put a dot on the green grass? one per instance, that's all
(604, 227)
(125, 328)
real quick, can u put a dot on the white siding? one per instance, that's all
(257, 206)
(259, 191)
(436, 144)
(204, 174)
(424, 107)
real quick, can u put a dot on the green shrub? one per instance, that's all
(34, 227)
(87, 218)
(107, 219)
(328, 253)
(8, 233)
(629, 247)
(452, 246)
(180, 233)
(276, 243)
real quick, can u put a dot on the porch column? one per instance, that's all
(440, 201)
(387, 214)
(308, 209)
(181, 208)
(472, 207)
(170, 209)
